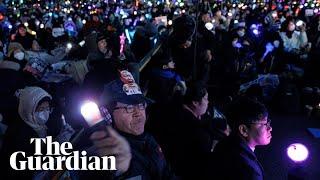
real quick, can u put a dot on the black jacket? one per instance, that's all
(188, 145)
(235, 160)
(148, 161)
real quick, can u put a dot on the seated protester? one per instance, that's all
(34, 111)
(234, 155)
(126, 103)
(164, 81)
(293, 41)
(187, 142)
(24, 38)
(16, 53)
(37, 53)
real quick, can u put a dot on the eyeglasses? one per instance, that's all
(130, 108)
(267, 124)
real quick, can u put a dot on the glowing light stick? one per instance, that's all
(297, 152)
(122, 42)
(91, 113)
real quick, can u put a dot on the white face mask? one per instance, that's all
(19, 56)
(241, 33)
(42, 116)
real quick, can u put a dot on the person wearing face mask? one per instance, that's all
(34, 111)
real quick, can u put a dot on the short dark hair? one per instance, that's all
(244, 111)
(195, 92)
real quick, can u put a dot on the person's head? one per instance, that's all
(43, 110)
(164, 61)
(249, 120)
(95, 18)
(34, 106)
(18, 55)
(22, 31)
(126, 104)
(196, 99)
(102, 43)
(291, 26)
(184, 30)
(205, 17)
(218, 13)
(241, 31)
(14, 49)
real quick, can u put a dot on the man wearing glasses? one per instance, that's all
(127, 106)
(234, 155)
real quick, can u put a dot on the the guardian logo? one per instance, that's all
(59, 156)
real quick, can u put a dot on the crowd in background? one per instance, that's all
(200, 98)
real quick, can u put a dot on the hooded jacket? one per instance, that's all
(29, 98)
(19, 133)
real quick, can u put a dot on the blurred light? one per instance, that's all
(84, 21)
(33, 33)
(229, 14)
(235, 21)
(82, 43)
(135, 13)
(170, 22)
(69, 45)
(41, 26)
(149, 3)
(10, 26)
(209, 26)
(91, 113)
(26, 24)
(305, 4)
(255, 31)
(274, 14)
(253, 26)
(299, 23)
(297, 152)
(37, 22)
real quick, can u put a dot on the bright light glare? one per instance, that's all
(91, 113)
(297, 152)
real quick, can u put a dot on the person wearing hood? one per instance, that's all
(24, 38)
(34, 111)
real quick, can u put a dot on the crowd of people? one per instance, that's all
(196, 111)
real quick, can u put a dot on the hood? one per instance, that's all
(29, 98)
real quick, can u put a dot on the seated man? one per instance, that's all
(126, 103)
(234, 155)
